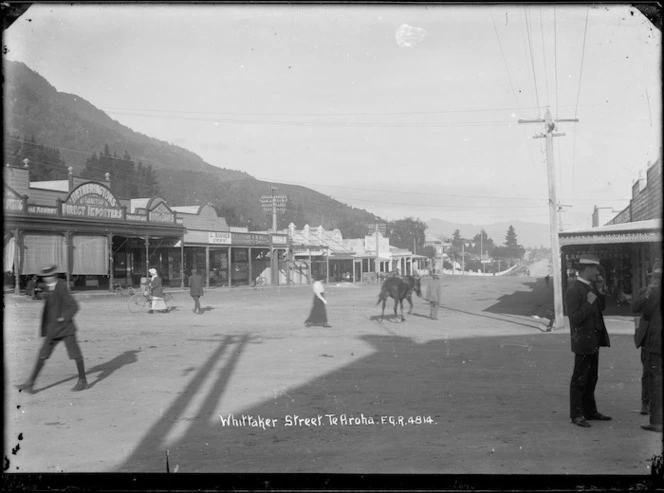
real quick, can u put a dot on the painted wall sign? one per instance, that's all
(250, 238)
(38, 209)
(14, 205)
(93, 194)
(92, 200)
(219, 238)
(137, 217)
(161, 214)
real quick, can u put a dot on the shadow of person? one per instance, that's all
(106, 369)
(389, 317)
(207, 309)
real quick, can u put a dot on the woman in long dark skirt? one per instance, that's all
(318, 315)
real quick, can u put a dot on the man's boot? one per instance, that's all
(82, 381)
(28, 386)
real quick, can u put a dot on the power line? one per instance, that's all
(503, 54)
(532, 60)
(398, 113)
(583, 53)
(546, 76)
(405, 192)
(578, 95)
(286, 123)
(555, 56)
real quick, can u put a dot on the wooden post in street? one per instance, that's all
(549, 127)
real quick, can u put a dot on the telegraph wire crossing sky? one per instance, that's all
(397, 109)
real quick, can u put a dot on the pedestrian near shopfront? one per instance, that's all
(649, 337)
(57, 324)
(318, 314)
(432, 290)
(196, 290)
(584, 305)
(156, 292)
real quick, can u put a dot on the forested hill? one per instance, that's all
(34, 108)
(63, 130)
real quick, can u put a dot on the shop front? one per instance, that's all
(84, 230)
(626, 251)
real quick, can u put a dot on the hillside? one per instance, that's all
(33, 107)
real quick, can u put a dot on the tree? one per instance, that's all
(43, 162)
(510, 238)
(457, 241)
(483, 243)
(407, 233)
(429, 251)
(147, 184)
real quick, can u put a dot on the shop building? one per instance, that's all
(230, 256)
(95, 238)
(626, 245)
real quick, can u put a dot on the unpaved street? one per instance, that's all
(482, 390)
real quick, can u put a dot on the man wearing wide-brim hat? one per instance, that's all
(648, 336)
(57, 324)
(584, 305)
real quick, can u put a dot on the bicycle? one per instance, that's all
(122, 291)
(142, 302)
(370, 278)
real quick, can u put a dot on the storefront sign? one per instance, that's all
(161, 214)
(279, 240)
(137, 217)
(91, 211)
(93, 194)
(250, 238)
(92, 200)
(222, 238)
(38, 209)
(14, 205)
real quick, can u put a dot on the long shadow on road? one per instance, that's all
(537, 299)
(495, 404)
(150, 453)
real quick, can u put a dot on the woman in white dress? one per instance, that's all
(158, 304)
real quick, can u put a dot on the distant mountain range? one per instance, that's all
(527, 234)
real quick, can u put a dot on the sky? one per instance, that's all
(401, 110)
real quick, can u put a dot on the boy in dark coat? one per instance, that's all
(585, 304)
(57, 325)
(196, 290)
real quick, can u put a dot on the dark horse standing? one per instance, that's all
(399, 288)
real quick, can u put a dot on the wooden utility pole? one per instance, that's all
(549, 127)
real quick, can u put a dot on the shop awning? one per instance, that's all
(649, 231)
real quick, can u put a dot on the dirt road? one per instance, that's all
(481, 390)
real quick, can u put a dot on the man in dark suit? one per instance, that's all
(584, 303)
(57, 325)
(649, 336)
(196, 290)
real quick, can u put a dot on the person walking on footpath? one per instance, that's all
(196, 290)
(432, 289)
(57, 324)
(157, 293)
(584, 305)
(648, 302)
(318, 314)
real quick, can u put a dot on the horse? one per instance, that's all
(399, 288)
